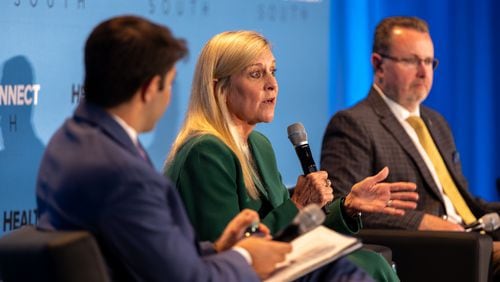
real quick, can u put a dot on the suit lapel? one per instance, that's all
(390, 122)
(262, 184)
(265, 162)
(100, 118)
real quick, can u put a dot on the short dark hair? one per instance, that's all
(382, 38)
(123, 53)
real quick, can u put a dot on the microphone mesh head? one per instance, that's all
(309, 217)
(491, 221)
(297, 134)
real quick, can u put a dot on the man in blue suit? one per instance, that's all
(95, 175)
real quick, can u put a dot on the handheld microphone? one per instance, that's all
(488, 222)
(298, 136)
(307, 219)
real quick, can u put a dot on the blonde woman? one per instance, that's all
(221, 165)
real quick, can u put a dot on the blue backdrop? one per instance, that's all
(41, 74)
(466, 42)
(322, 49)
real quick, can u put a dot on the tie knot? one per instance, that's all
(416, 122)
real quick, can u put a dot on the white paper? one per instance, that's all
(311, 251)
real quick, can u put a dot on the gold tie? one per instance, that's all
(449, 187)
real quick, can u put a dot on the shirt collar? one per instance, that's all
(128, 129)
(399, 111)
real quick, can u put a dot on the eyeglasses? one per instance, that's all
(413, 61)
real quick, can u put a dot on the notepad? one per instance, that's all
(311, 251)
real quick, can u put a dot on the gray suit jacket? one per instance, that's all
(360, 141)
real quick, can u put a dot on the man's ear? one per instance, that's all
(376, 60)
(150, 88)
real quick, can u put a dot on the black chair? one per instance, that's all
(435, 255)
(28, 254)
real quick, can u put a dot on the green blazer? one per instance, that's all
(210, 181)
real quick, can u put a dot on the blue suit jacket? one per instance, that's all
(93, 178)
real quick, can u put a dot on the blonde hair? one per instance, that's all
(225, 54)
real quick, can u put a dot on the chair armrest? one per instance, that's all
(435, 255)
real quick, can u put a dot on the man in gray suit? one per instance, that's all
(379, 132)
